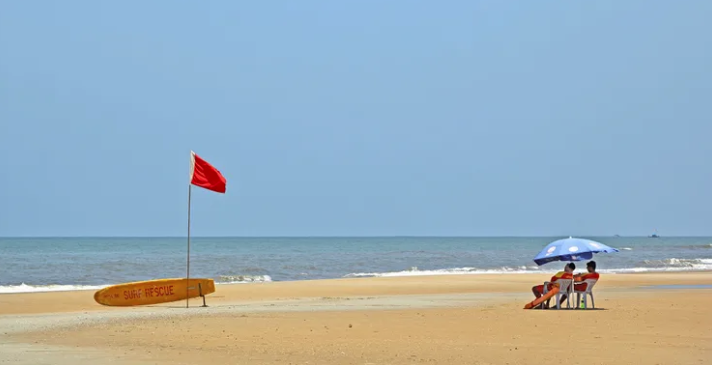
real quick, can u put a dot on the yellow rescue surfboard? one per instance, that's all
(153, 291)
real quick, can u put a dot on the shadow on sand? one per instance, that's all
(571, 309)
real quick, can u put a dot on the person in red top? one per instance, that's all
(591, 274)
(568, 273)
(578, 278)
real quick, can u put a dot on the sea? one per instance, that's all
(60, 264)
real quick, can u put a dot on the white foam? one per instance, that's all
(626, 249)
(452, 271)
(668, 265)
(24, 288)
(655, 269)
(243, 279)
(701, 264)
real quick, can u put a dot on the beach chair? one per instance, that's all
(565, 287)
(589, 287)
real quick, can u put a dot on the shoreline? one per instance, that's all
(425, 274)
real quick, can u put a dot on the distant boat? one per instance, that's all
(655, 235)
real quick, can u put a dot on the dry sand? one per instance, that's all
(475, 319)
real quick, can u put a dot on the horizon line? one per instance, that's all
(370, 236)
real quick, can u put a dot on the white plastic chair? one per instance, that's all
(589, 287)
(565, 287)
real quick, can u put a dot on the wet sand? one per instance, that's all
(458, 319)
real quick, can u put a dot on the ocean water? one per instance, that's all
(52, 264)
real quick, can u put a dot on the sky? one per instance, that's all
(357, 118)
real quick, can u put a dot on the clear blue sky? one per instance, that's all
(357, 117)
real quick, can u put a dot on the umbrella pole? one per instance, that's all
(569, 296)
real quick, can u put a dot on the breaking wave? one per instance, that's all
(672, 264)
(243, 279)
(24, 288)
(695, 264)
(414, 271)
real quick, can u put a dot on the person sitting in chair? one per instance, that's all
(578, 278)
(591, 274)
(538, 290)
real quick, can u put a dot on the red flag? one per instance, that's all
(205, 175)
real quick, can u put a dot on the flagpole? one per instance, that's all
(187, 269)
(208, 177)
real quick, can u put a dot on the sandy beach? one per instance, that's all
(458, 319)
